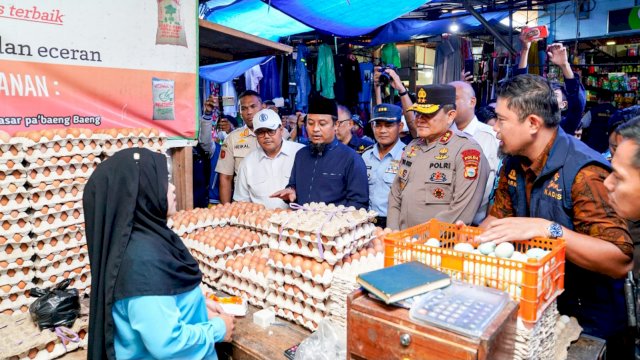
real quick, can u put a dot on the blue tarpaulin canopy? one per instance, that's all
(221, 73)
(413, 29)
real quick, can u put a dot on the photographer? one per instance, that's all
(390, 77)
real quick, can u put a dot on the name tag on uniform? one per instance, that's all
(393, 167)
(406, 162)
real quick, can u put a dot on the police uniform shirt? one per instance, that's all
(359, 144)
(260, 176)
(486, 138)
(236, 147)
(381, 173)
(444, 180)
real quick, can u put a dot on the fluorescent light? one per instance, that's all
(612, 42)
(454, 28)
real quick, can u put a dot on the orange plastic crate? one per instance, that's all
(535, 283)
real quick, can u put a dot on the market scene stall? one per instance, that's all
(339, 179)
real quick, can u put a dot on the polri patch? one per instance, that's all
(438, 177)
(471, 159)
(438, 193)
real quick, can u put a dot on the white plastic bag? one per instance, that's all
(329, 342)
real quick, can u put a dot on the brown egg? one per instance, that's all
(33, 352)
(277, 257)
(74, 132)
(22, 285)
(19, 261)
(317, 269)
(5, 288)
(50, 346)
(297, 262)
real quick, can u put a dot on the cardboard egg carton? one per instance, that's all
(51, 233)
(62, 267)
(36, 344)
(212, 251)
(353, 268)
(62, 149)
(67, 274)
(331, 254)
(15, 177)
(57, 220)
(251, 287)
(11, 150)
(49, 174)
(191, 227)
(330, 220)
(295, 292)
(20, 287)
(82, 283)
(210, 272)
(10, 227)
(16, 301)
(51, 258)
(317, 291)
(63, 161)
(279, 301)
(12, 264)
(16, 200)
(253, 300)
(10, 252)
(15, 238)
(323, 276)
(15, 276)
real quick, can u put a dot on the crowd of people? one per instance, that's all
(515, 169)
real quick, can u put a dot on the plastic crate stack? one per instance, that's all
(58, 165)
(309, 245)
(16, 267)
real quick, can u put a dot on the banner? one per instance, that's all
(83, 63)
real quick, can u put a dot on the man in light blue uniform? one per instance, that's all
(383, 158)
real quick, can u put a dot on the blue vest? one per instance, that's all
(596, 300)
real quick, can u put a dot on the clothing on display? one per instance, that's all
(303, 83)
(366, 78)
(270, 83)
(448, 61)
(252, 78)
(325, 72)
(390, 55)
(348, 83)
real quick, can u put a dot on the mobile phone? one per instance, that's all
(290, 353)
(536, 33)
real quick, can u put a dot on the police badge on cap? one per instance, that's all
(430, 98)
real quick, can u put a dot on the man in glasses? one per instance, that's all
(345, 133)
(268, 168)
(443, 172)
(383, 158)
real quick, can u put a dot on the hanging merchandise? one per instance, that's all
(270, 83)
(448, 61)
(229, 99)
(303, 83)
(325, 73)
(252, 78)
(348, 83)
(366, 76)
(390, 55)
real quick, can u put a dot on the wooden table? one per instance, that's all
(252, 342)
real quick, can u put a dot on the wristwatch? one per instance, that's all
(555, 230)
(405, 92)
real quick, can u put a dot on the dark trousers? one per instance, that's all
(381, 221)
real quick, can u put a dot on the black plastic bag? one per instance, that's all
(56, 306)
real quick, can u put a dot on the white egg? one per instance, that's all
(518, 256)
(433, 242)
(504, 250)
(536, 253)
(463, 247)
(487, 248)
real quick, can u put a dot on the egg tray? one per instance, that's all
(50, 174)
(262, 226)
(73, 135)
(317, 291)
(15, 276)
(44, 152)
(14, 201)
(52, 258)
(55, 221)
(209, 272)
(199, 225)
(250, 275)
(57, 232)
(323, 279)
(295, 318)
(212, 251)
(317, 304)
(251, 287)
(10, 252)
(56, 184)
(16, 301)
(255, 301)
(12, 150)
(49, 352)
(20, 287)
(331, 254)
(63, 161)
(51, 209)
(16, 176)
(112, 146)
(219, 261)
(15, 238)
(329, 220)
(10, 227)
(342, 286)
(80, 284)
(55, 279)
(356, 267)
(60, 267)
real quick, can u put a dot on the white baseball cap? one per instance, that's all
(266, 119)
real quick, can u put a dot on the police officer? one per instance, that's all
(238, 144)
(345, 131)
(443, 172)
(383, 158)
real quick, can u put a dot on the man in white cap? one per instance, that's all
(268, 168)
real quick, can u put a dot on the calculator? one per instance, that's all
(462, 308)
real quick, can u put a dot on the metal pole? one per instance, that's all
(510, 33)
(491, 30)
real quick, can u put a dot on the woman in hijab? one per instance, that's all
(145, 298)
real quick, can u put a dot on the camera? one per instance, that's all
(385, 78)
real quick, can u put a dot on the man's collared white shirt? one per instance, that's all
(260, 176)
(486, 137)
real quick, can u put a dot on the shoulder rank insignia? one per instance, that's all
(446, 137)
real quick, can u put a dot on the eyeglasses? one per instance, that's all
(264, 132)
(340, 122)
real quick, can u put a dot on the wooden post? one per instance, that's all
(182, 175)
